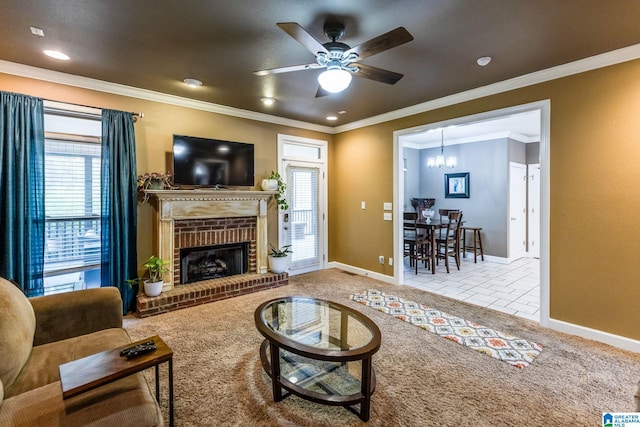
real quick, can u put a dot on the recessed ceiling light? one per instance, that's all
(37, 31)
(483, 60)
(57, 55)
(193, 82)
(332, 118)
(268, 101)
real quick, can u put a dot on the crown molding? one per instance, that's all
(149, 95)
(587, 64)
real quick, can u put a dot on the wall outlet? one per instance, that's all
(390, 261)
(363, 205)
(381, 259)
(387, 216)
(387, 206)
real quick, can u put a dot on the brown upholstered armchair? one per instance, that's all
(39, 334)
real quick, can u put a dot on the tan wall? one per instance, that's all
(154, 137)
(595, 196)
(595, 150)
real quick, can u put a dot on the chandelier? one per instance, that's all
(440, 161)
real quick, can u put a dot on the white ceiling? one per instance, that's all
(523, 127)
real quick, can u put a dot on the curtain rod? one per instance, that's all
(141, 115)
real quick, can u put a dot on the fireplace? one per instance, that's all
(212, 262)
(188, 218)
(202, 219)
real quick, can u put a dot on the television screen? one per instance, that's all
(204, 162)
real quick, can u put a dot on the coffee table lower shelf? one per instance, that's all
(328, 383)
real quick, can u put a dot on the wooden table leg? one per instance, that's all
(433, 251)
(171, 392)
(275, 372)
(365, 405)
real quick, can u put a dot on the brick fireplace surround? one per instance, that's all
(194, 218)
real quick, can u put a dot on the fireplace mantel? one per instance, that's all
(202, 204)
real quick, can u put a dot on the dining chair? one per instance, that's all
(409, 231)
(443, 216)
(448, 244)
(421, 249)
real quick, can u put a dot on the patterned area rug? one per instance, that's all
(515, 351)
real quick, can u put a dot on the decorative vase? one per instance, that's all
(278, 264)
(153, 289)
(269, 184)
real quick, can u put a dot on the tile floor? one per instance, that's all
(511, 288)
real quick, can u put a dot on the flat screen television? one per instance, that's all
(205, 162)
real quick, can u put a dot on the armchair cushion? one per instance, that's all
(126, 402)
(42, 367)
(17, 328)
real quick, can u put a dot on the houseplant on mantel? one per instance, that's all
(274, 183)
(279, 258)
(153, 181)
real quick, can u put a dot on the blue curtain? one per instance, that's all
(119, 210)
(22, 191)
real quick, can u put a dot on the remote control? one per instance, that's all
(125, 351)
(139, 351)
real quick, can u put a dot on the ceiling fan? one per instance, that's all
(339, 59)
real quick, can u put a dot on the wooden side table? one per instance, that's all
(477, 242)
(102, 368)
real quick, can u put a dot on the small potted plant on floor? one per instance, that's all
(279, 258)
(156, 268)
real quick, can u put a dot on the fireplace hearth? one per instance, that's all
(212, 262)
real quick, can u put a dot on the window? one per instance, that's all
(72, 200)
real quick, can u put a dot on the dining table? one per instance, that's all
(431, 227)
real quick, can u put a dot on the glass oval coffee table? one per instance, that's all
(319, 350)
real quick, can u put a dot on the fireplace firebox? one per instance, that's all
(211, 262)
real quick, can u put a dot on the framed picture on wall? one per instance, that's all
(456, 185)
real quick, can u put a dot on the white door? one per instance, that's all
(304, 217)
(533, 210)
(517, 211)
(303, 226)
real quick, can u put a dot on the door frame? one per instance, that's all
(545, 142)
(323, 199)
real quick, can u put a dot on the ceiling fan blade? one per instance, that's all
(381, 43)
(287, 69)
(302, 36)
(377, 74)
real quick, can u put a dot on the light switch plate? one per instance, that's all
(363, 205)
(388, 216)
(387, 206)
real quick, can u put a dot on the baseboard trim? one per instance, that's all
(595, 335)
(361, 272)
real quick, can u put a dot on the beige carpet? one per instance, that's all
(422, 379)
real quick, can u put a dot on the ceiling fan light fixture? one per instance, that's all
(334, 80)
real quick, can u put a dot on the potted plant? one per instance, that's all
(279, 258)
(153, 181)
(155, 270)
(274, 183)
